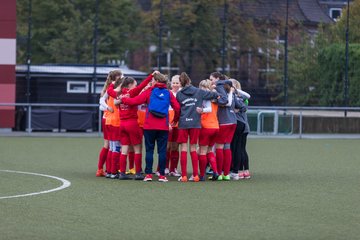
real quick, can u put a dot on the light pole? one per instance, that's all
(94, 95)
(28, 53)
(95, 49)
(346, 85)
(161, 23)
(286, 55)
(223, 50)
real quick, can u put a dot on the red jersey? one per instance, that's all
(152, 122)
(126, 111)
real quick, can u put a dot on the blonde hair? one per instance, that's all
(236, 83)
(176, 77)
(205, 84)
(110, 78)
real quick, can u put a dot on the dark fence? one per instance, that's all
(262, 120)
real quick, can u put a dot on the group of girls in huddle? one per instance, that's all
(209, 122)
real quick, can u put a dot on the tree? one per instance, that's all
(331, 80)
(304, 72)
(195, 32)
(63, 30)
(317, 69)
(337, 31)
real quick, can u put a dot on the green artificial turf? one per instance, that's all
(300, 189)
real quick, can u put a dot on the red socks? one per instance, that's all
(195, 163)
(212, 160)
(123, 163)
(219, 160)
(227, 161)
(102, 157)
(108, 161)
(183, 163)
(137, 158)
(131, 160)
(114, 162)
(202, 163)
(174, 160)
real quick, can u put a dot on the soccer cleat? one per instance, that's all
(139, 176)
(123, 176)
(226, 177)
(241, 175)
(214, 177)
(163, 179)
(209, 171)
(167, 171)
(148, 178)
(220, 178)
(131, 171)
(107, 175)
(202, 179)
(247, 174)
(235, 176)
(157, 173)
(174, 174)
(183, 179)
(114, 176)
(100, 173)
(194, 179)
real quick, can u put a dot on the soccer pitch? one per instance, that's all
(300, 189)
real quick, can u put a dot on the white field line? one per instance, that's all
(65, 184)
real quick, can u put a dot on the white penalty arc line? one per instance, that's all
(65, 184)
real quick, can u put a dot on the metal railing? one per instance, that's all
(261, 110)
(29, 107)
(277, 110)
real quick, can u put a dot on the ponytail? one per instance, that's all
(184, 79)
(160, 78)
(110, 78)
(126, 81)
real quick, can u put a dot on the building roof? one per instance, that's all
(79, 70)
(313, 11)
(306, 11)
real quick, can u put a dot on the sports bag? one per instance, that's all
(159, 102)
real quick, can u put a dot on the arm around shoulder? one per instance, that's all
(111, 91)
(208, 95)
(140, 99)
(244, 94)
(223, 98)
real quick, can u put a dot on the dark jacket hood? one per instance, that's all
(189, 90)
(220, 82)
